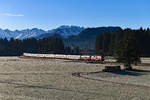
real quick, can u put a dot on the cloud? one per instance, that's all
(13, 15)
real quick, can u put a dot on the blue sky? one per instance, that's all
(48, 14)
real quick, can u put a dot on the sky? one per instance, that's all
(49, 14)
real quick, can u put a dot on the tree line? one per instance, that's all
(15, 47)
(112, 43)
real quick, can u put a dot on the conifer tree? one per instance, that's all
(129, 52)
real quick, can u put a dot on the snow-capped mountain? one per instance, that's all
(64, 31)
(67, 30)
(33, 33)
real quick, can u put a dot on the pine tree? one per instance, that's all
(129, 51)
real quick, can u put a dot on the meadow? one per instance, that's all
(55, 79)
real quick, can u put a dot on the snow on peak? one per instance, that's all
(64, 31)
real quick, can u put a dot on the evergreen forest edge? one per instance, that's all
(107, 44)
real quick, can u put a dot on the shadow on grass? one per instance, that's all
(133, 72)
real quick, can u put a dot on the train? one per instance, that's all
(89, 57)
(61, 56)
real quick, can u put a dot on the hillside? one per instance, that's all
(86, 39)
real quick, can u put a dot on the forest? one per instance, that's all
(110, 43)
(14, 47)
(107, 44)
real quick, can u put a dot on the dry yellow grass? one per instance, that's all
(51, 79)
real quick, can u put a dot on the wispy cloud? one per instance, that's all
(13, 15)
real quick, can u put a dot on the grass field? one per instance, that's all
(51, 79)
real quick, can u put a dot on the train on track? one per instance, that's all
(71, 57)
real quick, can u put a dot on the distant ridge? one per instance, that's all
(64, 31)
(86, 39)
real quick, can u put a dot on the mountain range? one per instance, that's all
(63, 31)
(73, 36)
